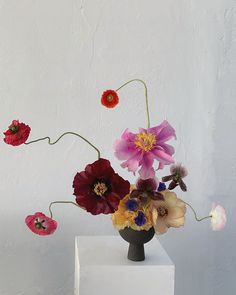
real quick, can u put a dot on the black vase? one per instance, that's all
(136, 240)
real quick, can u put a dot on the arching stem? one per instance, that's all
(195, 214)
(146, 96)
(66, 133)
(60, 202)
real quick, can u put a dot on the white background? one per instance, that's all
(56, 58)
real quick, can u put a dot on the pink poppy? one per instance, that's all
(41, 224)
(141, 149)
(218, 217)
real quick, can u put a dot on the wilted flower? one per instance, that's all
(168, 213)
(110, 98)
(141, 149)
(218, 217)
(146, 189)
(41, 224)
(17, 133)
(178, 172)
(99, 189)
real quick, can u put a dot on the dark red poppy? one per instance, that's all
(110, 98)
(41, 224)
(99, 189)
(17, 133)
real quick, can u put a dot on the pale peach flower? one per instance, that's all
(218, 217)
(168, 213)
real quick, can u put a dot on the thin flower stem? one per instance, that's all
(146, 95)
(71, 133)
(60, 202)
(195, 214)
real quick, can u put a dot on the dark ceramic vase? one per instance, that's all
(136, 240)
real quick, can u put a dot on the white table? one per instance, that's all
(102, 268)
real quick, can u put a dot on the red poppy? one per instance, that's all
(110, 98)
(17, 133)
(41, 224)
(99, 189)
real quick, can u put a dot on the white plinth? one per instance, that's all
(102, 268)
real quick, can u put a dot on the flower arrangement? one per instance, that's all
(98, 189)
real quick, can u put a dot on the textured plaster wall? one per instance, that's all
(56, 57)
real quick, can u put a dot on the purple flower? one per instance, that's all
(161, 187)
(131, 205)
(140, 219)
(141, 149)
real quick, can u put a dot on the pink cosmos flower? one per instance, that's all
(218, 217)
(41, 224)
(141, 149)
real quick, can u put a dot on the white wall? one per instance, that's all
(56, 57)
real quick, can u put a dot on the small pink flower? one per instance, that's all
(218, 217)
(41, 224)
(141, 149)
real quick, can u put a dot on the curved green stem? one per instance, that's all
(146, 96)
(195, 214)
(60, 202)
(72, 133)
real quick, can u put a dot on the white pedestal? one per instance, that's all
(102, 268)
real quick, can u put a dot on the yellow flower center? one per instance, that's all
(110, 97)
(145, 141)
(100, 188)
(162, 211)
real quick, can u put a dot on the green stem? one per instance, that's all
(146, 96)
(72, 133)
(195, 214)
(60, 202)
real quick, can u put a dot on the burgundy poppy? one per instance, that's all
(41, 224)
(17, 133)
(99, 189)
(110, 98)
(146, 189)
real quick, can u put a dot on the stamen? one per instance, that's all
(100, 188)
(145, 141)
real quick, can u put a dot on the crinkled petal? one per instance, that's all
(124, 149)
(147, 171)
(162, 156)
(176, 222)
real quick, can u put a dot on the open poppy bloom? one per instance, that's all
(168, 213)
(99, 189)
(110, 98)
(17, 133)
(218, 217)
(141, 149)
(41, 224)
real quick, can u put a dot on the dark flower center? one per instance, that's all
(110, 97)
(162, 211)
(14, 129)
(100, 188)
(39, 224)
